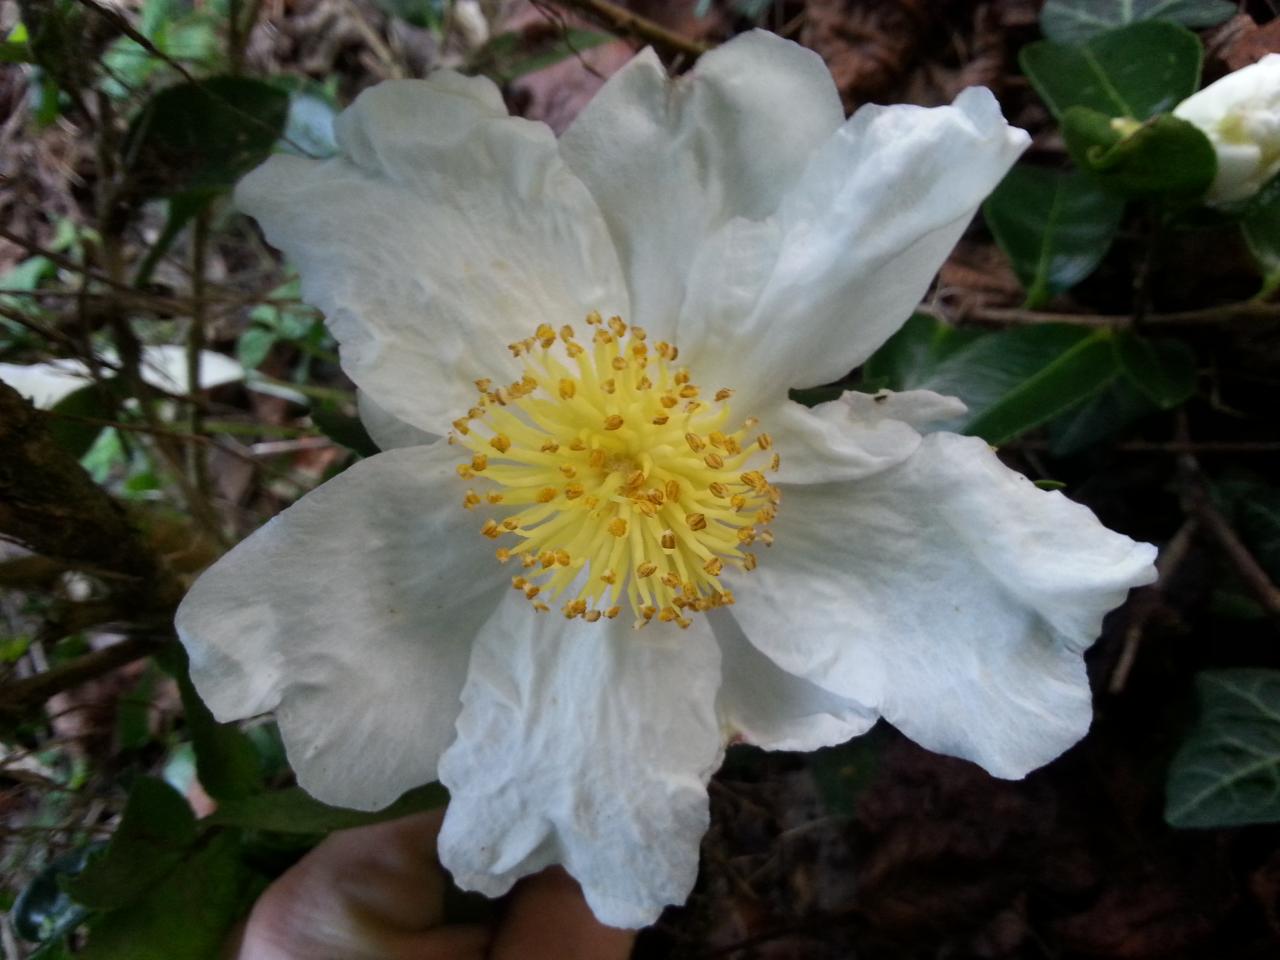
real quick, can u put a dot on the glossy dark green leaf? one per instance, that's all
(908, 359)
(1055, 227)
(343, 428)
(155, 834)
(1227, 771)
(1164, 370)
(188, 916)
(1261, 227)
(1137, 71)
(1072, 21)
(1102, 416)
(203, 136)
(1011, 380)
(1069, 379)
(1162, 157)
(44, 911)
(226, 762)
(295, 811)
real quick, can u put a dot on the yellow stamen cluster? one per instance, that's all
(615, 475)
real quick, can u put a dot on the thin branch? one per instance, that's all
(17, 698)
(621, 20)
(1209, 316)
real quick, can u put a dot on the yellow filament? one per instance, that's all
(613, 480)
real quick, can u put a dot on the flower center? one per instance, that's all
(616, 476)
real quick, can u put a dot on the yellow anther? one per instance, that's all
(594, 445)
(519, 583)
(594, 319)
(776, 462)
(541, 607)
(766, 537)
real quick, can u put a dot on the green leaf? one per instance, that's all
(11, 52)
(1164, 156)
(95, 401)
(203, 136)
(1164, 370)
(1055, 227)
(295, 811)
(185, 918)
(1261, 228)
(1069, 379)
(1227, 771)
(343, 428)
(1104, 415)
(155, 834)
(133, 712)
(183, 208)
(1258, 517)
(44, 911)
(226, 761)
(1137, 71)
(908, 359)
(1071, 21)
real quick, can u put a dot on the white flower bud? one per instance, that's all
(1240, 114)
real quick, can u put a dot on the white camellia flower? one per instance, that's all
(581, 351)
(1240, 114)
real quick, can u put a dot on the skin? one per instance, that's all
(377, 893)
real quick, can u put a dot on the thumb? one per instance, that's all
(547, 918)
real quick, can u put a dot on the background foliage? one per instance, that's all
(1114, 335)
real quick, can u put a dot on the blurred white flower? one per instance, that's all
(163, 367)
(726, 236)
(1240, 114)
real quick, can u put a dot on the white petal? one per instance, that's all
(165, 367)
(854, 436)
(671, 160)
(764, 705)
(445, 231)
(803, 298)
(351, 614)
(45, 384)
(587, 745)
(949, 594)
(387, 431)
